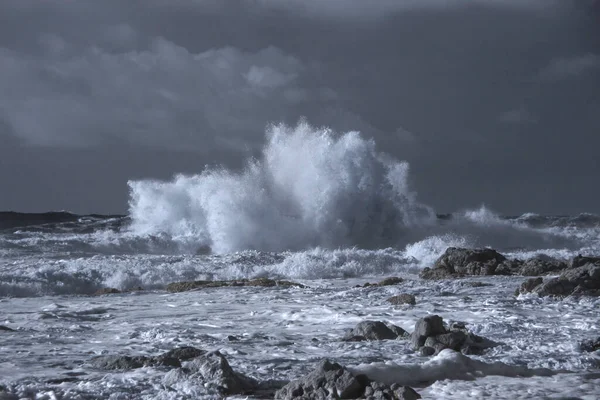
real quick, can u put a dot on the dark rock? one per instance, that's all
(583, 280)
(404, 298)
(171, 358)
(529, 285)
(104, 291)
(333, 381)
(539, 266)
(590, 345)
(393, 280)
(263, 282)
(6, 328)
(183, 353)
(374, 330)
(580, 261)
(430, 337)
(119, 362)
(214, 368)
(477, 284)
(457, 262)
(427, 351)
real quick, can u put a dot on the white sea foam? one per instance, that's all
(311, 187)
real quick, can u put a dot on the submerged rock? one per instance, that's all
(404, 298)
(332, 381)
(104, 291)
(193, 285)
(430, 337)
(393, 280)
(583, 280)
(6, 329)
(374, 330)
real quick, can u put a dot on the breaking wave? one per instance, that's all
(310, 188)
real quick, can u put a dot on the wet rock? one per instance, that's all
(580, 281)
(182, 353)
(332, 381)
(104, 291)
(477, 284)
(457, 262)
(374, 330)
(184, 286)
(529, 285)
(580, 261)
(431, 337)
(6, 329)
(119, 362)
(539, 266)
(171, 358)
(214, 368)
(590, 345)
(393, 280)
(404, 298)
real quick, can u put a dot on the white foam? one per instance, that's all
(311, 187)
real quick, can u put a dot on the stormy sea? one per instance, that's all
(313, 272)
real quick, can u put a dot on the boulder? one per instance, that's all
(185, 286)
(529, 285)
(332, 381)
(214, 368)
(430, 337)
(393, 280)
(583, 280)
(457, 262)
(404, 298)
(374, 330)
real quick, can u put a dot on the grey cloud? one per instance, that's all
(565, 68)
(164, 96)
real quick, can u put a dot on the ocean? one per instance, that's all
(327, 211)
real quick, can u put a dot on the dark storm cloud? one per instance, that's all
(491, 101)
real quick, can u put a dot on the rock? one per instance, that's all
(580, 261)
(590, 345)
(332, 381)
(6, 328)
(477, 284)
(529, 285)
(404, 298)
(374, 330)
(171, 358)
(184, 286)
(431, 337)
(214, 368)
(539, 266)
(183, 353)
(456, 262)
(104, 291)
(583, 280)
(119, 362)
(393, 280)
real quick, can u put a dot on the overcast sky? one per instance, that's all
(491, 101)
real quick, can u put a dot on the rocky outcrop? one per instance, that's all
(540, 266)
(582, 280)
(403, 298)
(333, 381)
(580, 261)
(374, 330)
(457, 262)
(431, 337)
(171, 359)
(193, 285)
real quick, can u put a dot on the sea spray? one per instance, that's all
(310, 187)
